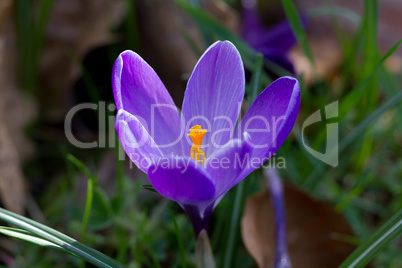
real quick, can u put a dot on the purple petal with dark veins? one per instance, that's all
(136, 141)
(226, 164)
(139, 91)
(183, 180)
(252, 27)
(274, 42)
(214, 95)
(270, 118)
(280, 37)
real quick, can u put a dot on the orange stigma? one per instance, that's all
(197, 134)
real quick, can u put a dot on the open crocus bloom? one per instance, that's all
(195, 157)
(274, 43)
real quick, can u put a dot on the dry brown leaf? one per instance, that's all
(327, 58)
(12, 189)
(74, 28)
(13, 116)
(314, 230)
(5, 8)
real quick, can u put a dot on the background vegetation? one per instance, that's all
(56, 54)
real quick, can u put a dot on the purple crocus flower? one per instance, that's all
(273, 43)
(196, 156)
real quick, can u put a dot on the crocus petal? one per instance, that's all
(274, 42)
(139, 91)
(252, 27)
(280, 37)
(226, 164)
(214, 95)
(136, 141)
(260, 37)
(270, 118)
(183, 180)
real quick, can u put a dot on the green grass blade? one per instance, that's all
(256, 78)
(346, 13)
(81, 167)
(90, 190)
(193, 45)
(370, 56)
(27, 66)
(234, 224)
(148, 187)
(367, 251)
(354, 97)
(53, 236)
(297, 27)
(179, 239)
(208, 22)
(154, 259)
(45, 7)
(390, 87)
(248, 55)
(356, 132)
(131, 25)
(205, 31)
(87, 211)
(317, 173)
(355, 192)
(346, 105)
(30, 238)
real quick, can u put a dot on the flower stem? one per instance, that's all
(203, 252)
(234, 224)
(88, 205)
(276, 190)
